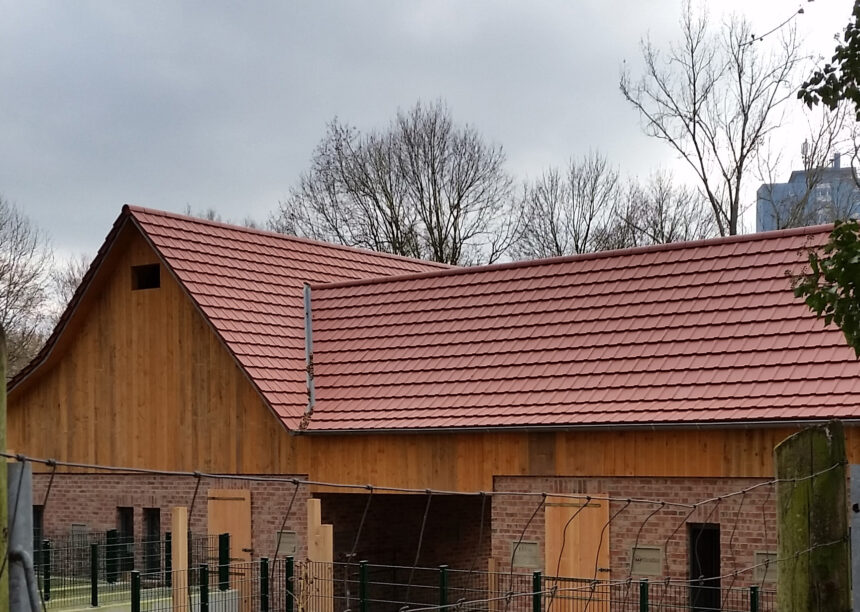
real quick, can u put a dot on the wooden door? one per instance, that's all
(229, 511)
(577, 552)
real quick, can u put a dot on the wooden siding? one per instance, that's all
(140, 379)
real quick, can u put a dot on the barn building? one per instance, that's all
(663, 374)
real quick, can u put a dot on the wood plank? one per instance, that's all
(179, 558)
(576, 537)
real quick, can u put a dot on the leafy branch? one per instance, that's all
(831, 289)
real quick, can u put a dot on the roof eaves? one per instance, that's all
(652, 426)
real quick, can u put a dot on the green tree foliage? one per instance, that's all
(831, 288)
(840, 79)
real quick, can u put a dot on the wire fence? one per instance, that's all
(101, 569)
(95, 568)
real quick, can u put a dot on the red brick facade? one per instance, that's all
(453, 534)
(92, 500)
(747, 522)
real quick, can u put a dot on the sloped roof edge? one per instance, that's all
(48, 348)
(534, 263)
(164, 260)
(126, 215)
(298, 239)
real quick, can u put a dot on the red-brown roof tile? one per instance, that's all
(698, 333)
(248, 284)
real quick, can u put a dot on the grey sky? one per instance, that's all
(220, 104)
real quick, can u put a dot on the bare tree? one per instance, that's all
(568, 212)
(65, 279)
(210, 214)
(660, 211)
(25, 263)
(816, 193)
(714, 99)
(424, 187)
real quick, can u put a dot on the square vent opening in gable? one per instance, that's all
(146, 277)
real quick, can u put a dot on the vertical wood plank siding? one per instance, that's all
(140, 379)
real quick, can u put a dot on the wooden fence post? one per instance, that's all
(4, 533)
(179, 560)
(320, 558)
(814, 570)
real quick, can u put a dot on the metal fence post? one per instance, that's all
(362, 586)
(443, 586)
(753, 599)
(135, 591)
(643, 596)
(204, 587)
(288, 584)
(94, 575)
(46, 570)
(223, 561)
(190, 546)
(111, 554)
(168, 558)
(536, 589)
(264, 584)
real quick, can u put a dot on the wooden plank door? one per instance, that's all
(229, 511)
(577, 551)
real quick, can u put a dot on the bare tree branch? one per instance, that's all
(803, 201)
(25, 263)
(425, 188)
(568, 212)
(714, 100)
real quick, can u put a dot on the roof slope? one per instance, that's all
(686, 333)
(248, 284)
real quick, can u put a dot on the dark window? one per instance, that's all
(152, 539)
(146, 277)
(125, 522)
(704, 566)
(125, 529)
(38, 533)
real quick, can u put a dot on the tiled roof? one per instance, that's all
(248, 283)
(690, 333)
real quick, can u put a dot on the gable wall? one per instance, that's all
(140, 379)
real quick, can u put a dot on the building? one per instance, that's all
(810, 197)
(663, 373)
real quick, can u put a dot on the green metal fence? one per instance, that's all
(212, 583)
(95, 569)
(386, 588)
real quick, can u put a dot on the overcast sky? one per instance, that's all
(220, 104)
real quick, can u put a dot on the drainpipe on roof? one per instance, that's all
(309, 356)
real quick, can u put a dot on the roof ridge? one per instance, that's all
(652, 248)
(132, 209)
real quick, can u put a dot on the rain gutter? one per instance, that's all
(570, 428)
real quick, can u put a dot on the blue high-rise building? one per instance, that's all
(810, 197)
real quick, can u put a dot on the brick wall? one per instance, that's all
(747, 522)
(93, 499)
(451, 536)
